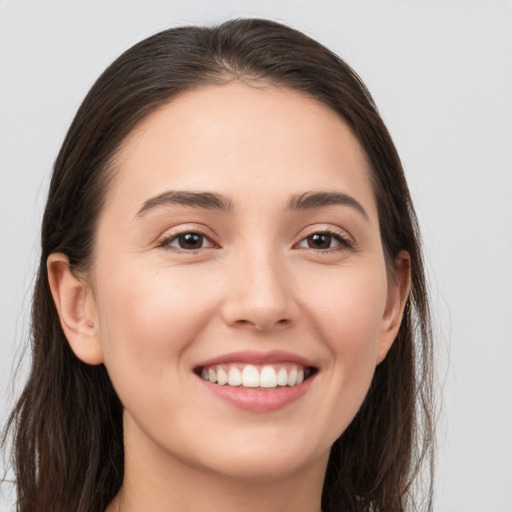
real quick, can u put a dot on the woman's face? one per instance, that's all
(240, 241)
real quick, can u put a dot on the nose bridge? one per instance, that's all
(260, 291)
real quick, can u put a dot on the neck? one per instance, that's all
(160, 483)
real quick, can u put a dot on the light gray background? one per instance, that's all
(441, 73)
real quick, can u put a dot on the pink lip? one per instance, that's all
(257, 400)
(253, 357)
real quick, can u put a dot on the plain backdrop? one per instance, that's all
(441, 74)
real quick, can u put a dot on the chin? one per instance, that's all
(263, 456)
(260, 467)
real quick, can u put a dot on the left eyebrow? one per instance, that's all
(206, 200)
(310, 200)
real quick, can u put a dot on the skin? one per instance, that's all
(151, 311)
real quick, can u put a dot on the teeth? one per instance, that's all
(234, 377)
(268, 377)
(282, 377)
(222, 377)
(250, 376)
(292, 377)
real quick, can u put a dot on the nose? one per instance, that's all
(260, 294)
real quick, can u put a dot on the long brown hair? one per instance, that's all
(67, 425)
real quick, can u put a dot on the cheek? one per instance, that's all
(148, 320)
(343, 312)
(348, 307)
(348, 317)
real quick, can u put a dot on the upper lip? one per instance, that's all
(255, 357)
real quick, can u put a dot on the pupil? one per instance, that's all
(320, 241)
(190, 241)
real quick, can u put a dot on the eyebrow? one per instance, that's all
(311, 200)
(206, 200)
(213, 201)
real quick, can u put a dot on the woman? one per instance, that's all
(230, 311)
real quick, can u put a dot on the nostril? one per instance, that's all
(261, 324)
(261, 306)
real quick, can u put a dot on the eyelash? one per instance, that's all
(165, 242)
(338, 236)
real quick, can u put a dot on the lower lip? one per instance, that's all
(258, 400)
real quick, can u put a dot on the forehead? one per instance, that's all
(235, 135)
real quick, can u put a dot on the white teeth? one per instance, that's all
(222, 377)
(292, 377)
(250, 377)
(282, 377)
(234, 377)
(268, 377)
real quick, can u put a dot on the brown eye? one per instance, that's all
(324, 241)
(319, 241)
(187, 241)
(190, 241)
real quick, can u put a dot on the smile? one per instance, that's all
(257, 382)
(256, 376)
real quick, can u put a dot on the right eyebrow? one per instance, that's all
(311, 200)
(207, 200)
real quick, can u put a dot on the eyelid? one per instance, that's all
(346, 241)
(169, 236)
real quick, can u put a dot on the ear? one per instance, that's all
(398, 293)
(76, 307)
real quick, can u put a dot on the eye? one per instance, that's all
(187, 241)
(325, 240)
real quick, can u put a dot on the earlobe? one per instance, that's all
(398, 293)
(75, 305)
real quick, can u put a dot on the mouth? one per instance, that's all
(258, 381)
(263, 377)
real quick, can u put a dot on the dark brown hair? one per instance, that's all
(67, 425)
